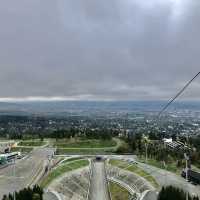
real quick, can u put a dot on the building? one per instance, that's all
(6, 145)
(173, 144)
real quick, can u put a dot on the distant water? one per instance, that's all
(94, 106)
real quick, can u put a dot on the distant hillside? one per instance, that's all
(24, 108)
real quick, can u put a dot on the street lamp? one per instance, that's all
(14, 196)
(146, 142)
(186, 172)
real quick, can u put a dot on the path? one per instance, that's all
(99, 187)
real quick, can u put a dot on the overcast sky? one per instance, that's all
(99, 49)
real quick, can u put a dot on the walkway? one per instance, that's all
(99, 187)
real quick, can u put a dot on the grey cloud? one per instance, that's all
(116, 49)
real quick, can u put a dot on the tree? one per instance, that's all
(146, 142)
(5, 197)
(36, 197)
(38, 190)
(173, 193)
(34, 193)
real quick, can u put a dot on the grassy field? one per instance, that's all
(72, 159)
(33, 143)
(63, 169)
(169, 166)
(78, 146)
(135, 169)
(72, 143)
(92, 151)
(117, 192)
(22, 149)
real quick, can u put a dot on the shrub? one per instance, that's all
(173, 193)
(34, 193)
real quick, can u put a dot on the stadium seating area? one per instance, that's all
(137, 183)
(75, 186)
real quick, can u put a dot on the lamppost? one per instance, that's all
(186, 171)
(146, 142)
(14, 196)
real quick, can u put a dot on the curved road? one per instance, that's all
(165, 178)
(50, 196)
(98, 185)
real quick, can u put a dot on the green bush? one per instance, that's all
(35, 193)
(122, 149)
(173, 193)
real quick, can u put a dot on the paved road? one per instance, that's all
(49, 196)
(167, 178)
(99, 188)
(25, 171)
(151, 195)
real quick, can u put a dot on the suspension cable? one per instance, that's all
(177, 95)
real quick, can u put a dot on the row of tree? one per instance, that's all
(87, 133)
(195, 155)
(35, 193)
(156, 150)
(166, 193)
(173, 193)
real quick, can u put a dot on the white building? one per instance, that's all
(173, 144)
(6, 145)
(166, 140)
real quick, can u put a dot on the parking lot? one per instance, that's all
(24, 172)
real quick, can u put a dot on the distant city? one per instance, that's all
(183, 118)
